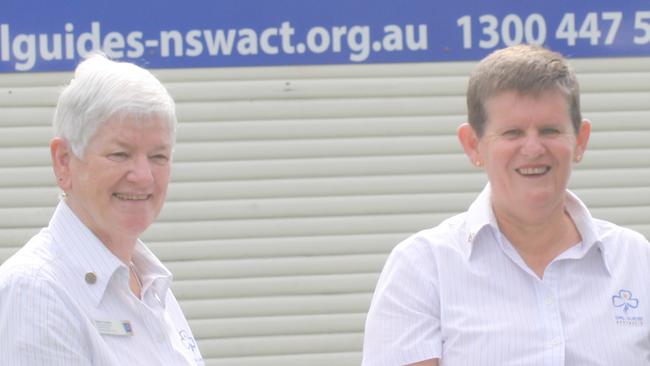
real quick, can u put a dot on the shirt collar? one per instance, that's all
(153, 274)
(94, 265)
(481, 220)
(586, 226)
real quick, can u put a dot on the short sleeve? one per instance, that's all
(37, 326)
(403, 323)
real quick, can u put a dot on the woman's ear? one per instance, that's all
(61, 154)
(469, 141)
(582, 140)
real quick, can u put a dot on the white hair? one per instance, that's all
(102, 90)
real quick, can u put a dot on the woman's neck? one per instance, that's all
(540, 242)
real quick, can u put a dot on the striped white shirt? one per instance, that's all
(460, 292)
(65, 300)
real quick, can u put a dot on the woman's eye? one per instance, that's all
(160, 159)
(118, 156)
(550, 131)
(512, 133)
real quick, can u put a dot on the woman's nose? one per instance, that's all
(140, 170)
(533, 146)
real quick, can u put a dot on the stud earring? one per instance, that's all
(578, 158)
(477, 163)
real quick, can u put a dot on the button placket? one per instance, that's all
(551, 310)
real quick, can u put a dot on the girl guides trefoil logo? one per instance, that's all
(626, 302)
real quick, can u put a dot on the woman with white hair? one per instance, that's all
(85, 290)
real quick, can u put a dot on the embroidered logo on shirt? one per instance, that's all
(188, 341)
(625, 301)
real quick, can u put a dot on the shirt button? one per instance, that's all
(549, 300)
(555, 342)
(162, 336)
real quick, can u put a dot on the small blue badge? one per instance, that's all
(127, 327)
(626, 300)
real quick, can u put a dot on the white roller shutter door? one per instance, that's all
(291, 185)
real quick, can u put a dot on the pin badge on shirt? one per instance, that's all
(90, 278)
(114, 327)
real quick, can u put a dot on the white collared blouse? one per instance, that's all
(460, 292)
(65, 300)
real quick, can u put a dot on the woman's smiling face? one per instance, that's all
(119, 187)
(528, 149)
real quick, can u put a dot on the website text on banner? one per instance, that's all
(292, 33)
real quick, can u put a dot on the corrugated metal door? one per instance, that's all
(291, 185)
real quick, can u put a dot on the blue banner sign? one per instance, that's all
(55, 35)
